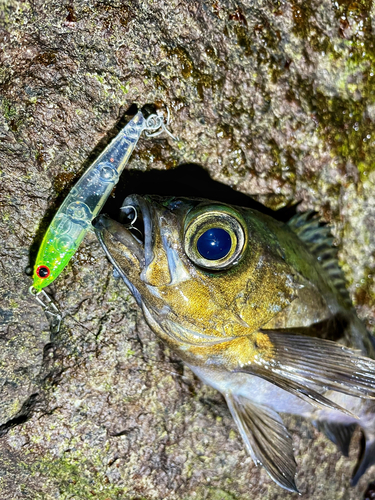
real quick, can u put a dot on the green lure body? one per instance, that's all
(83, 204)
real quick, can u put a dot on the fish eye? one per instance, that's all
(214, 238)
(214, 244)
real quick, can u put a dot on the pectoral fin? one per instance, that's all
(307, 366)
(266, 439)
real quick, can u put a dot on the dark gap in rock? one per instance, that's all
(188, 180)
(22, 416)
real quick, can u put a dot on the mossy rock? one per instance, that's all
(276, 100)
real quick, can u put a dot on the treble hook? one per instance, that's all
(135, 218)
(134, 210)
(48, 306)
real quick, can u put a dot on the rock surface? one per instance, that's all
(273, 98)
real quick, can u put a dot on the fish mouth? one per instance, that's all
(141, 227)
(135, 234)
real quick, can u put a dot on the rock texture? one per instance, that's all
(274, 98)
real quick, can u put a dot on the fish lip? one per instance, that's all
(143, 252)
(104, 224)
(99, 223)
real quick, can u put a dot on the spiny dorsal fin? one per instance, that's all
(319, 241)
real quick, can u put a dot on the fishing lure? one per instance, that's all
(84, 202)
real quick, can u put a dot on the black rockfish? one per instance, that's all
(258, 310)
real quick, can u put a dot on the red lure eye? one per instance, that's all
(43, 272)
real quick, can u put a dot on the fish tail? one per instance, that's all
(366, 456)
(341, 435)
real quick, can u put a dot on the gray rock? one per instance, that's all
(272, 98)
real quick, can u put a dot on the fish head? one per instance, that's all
(202, 271)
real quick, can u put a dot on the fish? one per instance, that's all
(258, 309)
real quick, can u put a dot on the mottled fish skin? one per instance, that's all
(269, 325)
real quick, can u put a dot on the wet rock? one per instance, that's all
(274, 99)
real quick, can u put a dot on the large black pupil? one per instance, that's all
(43, 272)
(214, 244)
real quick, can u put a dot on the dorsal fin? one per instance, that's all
(319, 240)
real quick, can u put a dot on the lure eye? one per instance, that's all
(43, 272)
(214, 236)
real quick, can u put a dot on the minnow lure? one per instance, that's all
(84, 202)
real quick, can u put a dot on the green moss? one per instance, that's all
(98, 77)
(190, 71)
(77, 477)
(125, 88)
(158, 152)
(7, 108)
(365, 291)
(345, 119)
(45, 58)
(243, 38)
(233, 434)
(208, 493)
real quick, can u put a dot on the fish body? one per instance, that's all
(259, 311)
